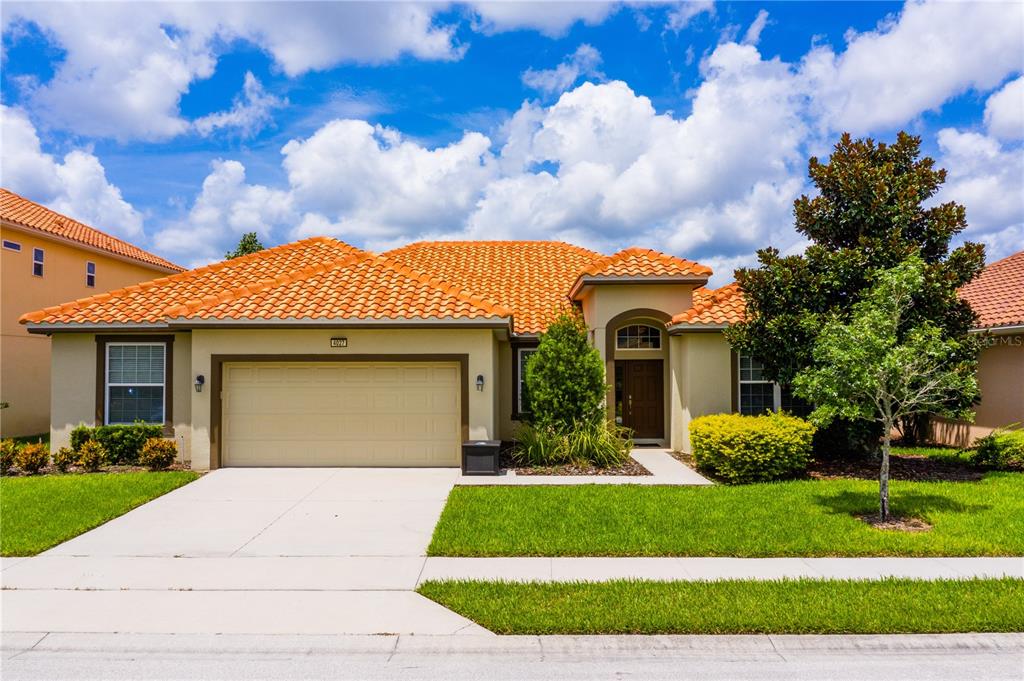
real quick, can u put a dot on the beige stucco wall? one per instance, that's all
(1001, 380)
(701, 381)
(73, 386)
(478, 344)
(25, 358)
(604, 302)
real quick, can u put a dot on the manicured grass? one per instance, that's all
(948, 454)
(42, 511)
(738, 606)
(799, 518)
(33, 439)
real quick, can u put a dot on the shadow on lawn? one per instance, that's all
(907, 504)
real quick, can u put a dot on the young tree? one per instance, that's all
(869, 215)
(883, 364)
(249, 243)
(565, 377)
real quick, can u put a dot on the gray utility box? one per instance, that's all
(481, 457)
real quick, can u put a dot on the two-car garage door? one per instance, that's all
(341, 414)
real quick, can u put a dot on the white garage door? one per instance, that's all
(341, 414)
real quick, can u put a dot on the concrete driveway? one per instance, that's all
(253, 551)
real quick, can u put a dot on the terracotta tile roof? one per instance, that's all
(997, 294)
(641, 262)
(19, 210)
(531, 278)
(719, 306)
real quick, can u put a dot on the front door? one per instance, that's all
(643, 405)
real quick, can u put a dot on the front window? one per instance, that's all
(37, 262)
(758, 394)
(90, 274)
(135, 382)
(522, 396)
(12, 245)
(638, 337)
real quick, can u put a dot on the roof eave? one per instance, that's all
(1000, 330)
(684, 327)
(185, 324)
(597, 280)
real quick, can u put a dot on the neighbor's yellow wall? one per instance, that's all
(1001, 380)
(25, 358)
(701, 381)
(479, 344)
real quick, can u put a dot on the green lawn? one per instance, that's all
(738, 606)
(42, 511)
(947, 454)
(32, 439)
(799, 518)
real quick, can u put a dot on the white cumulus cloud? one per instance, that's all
(585, 62)
(1004, 111)
(249, 114)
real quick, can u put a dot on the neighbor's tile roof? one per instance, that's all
(721, 306)
(19, 210)
(315, 278)
(641, 262)
(997, 294)
(531, 278)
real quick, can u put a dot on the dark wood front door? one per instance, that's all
(643, 397)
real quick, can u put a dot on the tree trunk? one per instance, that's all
(883, 479)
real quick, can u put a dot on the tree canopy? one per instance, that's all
(249, 243)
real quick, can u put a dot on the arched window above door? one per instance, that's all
(638, 337)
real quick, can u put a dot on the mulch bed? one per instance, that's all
(630, 467)
(50, 470)
(896, 523)
(901, 467)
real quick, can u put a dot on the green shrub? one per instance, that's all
(123, 443)
(602, 444)
(32, 457)
(743, 449)
(92, 455)
(565, 377)
(1003, 450)
(158, 453)
(64, 458)
(80, 434)
(8, 451)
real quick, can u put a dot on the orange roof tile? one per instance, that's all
(717, 307)
(643, 262)
(997, 294)
(316, 278)
(530, 278)
(28, 214)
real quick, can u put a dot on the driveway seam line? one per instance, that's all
(283, 513)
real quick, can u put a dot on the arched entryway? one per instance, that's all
(637, 364)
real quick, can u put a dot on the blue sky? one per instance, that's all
(680, 126)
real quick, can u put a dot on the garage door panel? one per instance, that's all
(344, 414)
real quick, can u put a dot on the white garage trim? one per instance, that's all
(459, 362)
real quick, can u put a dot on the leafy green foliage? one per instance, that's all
(8, 449)
(869, 215)
(64, 458)
(602, 444)
(565, 377)
(743, 449)
(158, 453)
(31, 458)
(1002, 449)
(92, 456)
(883, 365)
(249, 243)
(123, 443)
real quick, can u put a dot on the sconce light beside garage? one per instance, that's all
(480, 382)
(200, 380)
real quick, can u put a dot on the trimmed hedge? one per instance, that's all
(1002, 450)
(123, 444)
(741, 449)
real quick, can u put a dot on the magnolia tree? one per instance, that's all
(881, 366)
(248, 244)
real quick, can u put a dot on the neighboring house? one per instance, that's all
(997, 296)
(318, 353)
(49, 258)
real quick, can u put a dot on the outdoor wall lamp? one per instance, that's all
(200, 379)
(480, 382)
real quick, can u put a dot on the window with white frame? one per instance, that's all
(522, 396)
(638, 337)
(90, 274)
(135, 382)
(37, 262)
(12, 246)
(758, 394)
